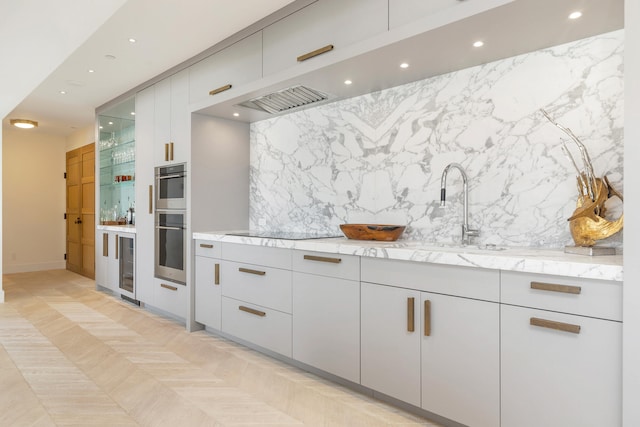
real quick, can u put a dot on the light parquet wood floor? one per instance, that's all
(73, 356)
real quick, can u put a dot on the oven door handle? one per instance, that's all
(170, 176)
(163, 227)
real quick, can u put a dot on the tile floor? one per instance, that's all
(73, 356)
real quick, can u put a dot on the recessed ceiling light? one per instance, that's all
(479, 43)
(110, 123)
(575, 15)
(133, 113)
(132, 40)
(101, 127)
(62, 92)
(23, 123)
(91, 70)
(404, 65)
(348, 82)
(236, 114)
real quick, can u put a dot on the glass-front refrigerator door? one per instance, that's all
(126, 281)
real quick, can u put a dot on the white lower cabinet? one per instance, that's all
(170, 297)
(208, 297)
(560, 369)
(439, 352)
(390, 343)
(326, 313)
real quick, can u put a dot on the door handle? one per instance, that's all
(77, 221)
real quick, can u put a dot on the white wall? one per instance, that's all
(33, 193)
(631, 305)
(1, 222)
(81, 137)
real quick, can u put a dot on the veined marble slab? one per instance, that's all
(125, 228)
(528, 260)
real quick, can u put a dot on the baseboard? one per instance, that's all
(26, 268)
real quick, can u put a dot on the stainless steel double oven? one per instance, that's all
(170, 222)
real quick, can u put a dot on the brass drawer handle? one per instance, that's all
(171, 151)
(252, 311)
(411, 314)
(316, 52)
(250, 271)
(217, 275)
(552, 287)
(559, 326)
(166, 152)
(206, 246)
(105, 244)
(117, 241)
(151, 199)
(323, 259)
(171, 288)
(220, 89)
(427, 318)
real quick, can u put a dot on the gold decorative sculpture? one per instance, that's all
(588, 223)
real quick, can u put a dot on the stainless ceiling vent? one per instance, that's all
(286, 99)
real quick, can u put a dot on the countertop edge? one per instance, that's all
(526, 260)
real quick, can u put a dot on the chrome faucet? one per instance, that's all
(467, 232)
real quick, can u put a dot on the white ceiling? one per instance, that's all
(49, 46)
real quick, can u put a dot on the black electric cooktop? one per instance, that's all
(287, 235)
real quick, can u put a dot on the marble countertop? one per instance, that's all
(124, 228)
(529, 260)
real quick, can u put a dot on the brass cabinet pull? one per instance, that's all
(323, 259)
(206, 245)
(316, 52)
(250, 271)
(411, 314)
(171, 288)
(559, 326)
(166, 152)
(220, 89)
(252, 311)
(171, 151)
(216, 275)
(117, 240)
(552, 287)
(427, 318)
(151, 199)
(105, 244)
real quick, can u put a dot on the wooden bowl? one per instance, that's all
(383, 232)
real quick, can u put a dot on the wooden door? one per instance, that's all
(81, 210)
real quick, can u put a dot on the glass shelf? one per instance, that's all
(117, 148)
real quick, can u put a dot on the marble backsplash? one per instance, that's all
(379, 158)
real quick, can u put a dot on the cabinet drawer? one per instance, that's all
(208, 248)
(325, 264)
(466, 282)
(587, 297)
(556, 378)
(237, 64)
(265, 286)
(171, 297)
(258, 255)
(334, 23)
(259, 325)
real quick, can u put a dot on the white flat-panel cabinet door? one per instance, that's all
(171, 133)
(461, 359)
(402, 12)
(145, 124)
(390, 341)
(102, 255)
(337, 23)
(326, 324)
(113, 263)
(230, 68)
(208, 298)
(554, 375)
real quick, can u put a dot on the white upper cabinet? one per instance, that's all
(237, 64)
(325, 23)
(402, 12)
(171, 129)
